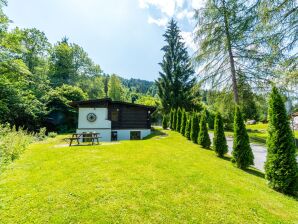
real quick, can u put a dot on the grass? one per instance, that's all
(164, 179)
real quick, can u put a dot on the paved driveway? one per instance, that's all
(258, 150)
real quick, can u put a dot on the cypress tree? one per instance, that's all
(203, 138)
(219, 140)
(171, 119)
(164, 122)
(242, 154)
(195, 127)
(281, 165)
(179, 116)
(174, 119)
(183, 122)
(188, 127)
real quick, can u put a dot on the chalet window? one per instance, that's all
(135, 135)
(115, 115)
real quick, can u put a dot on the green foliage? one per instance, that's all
(195, 127)
(183, 122)
(188, 126)
(179, 116)
(52, 134)
(12, 143)
(174, 119)
(176, 82)
(203, 138)
(281, 166)
(219, 140)
(171, 119)
(210, 118)
(164, 122)
(41, 135)
(242, 153)
(115, 90)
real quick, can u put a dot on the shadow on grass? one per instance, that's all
(155, 133)
(255, 172)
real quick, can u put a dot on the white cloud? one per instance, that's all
(185, 14)
(197, 4)
(165, 6)
(159, 22)
(189, 40)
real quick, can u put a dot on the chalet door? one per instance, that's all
(135, 135)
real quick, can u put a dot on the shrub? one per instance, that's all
(52, 134)
(12, 143)
(41, 135)
(195, 127)
(242, 154)
(188, 126)
(183, 122)
(219, 140)
(174, 119)
(164, 122)
(203, 138)
(178, 124)
(171, 119)
(210, 119)
(281, 165)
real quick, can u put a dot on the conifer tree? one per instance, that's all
(281, 166)
(203, 138)
(171, 119)
(195, 127)
(179, 116)
(242, 153)
(177, 81)
(164, 122)
(174, 119)
(183, 122)
(219, 141)
(188, 126)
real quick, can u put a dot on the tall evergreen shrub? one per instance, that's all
(179, 116)
(174, 119)
(188, 126)
(183, 122)
(242, 153)
(195, 127)
(164, 122)
(203, 138)
(281, 165)
(219, 140)
(171, 119)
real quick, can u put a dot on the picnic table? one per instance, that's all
(84, 136)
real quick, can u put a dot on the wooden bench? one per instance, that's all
(77, 137)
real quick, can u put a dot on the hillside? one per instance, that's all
(165, 179)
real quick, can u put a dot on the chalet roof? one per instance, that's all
(107, 102)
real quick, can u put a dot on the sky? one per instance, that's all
(124, 37)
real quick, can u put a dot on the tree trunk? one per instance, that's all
(231, 56)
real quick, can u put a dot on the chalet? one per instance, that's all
(114, 120)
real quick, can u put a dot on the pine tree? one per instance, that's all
(176, 82)
(195, 127)
(188, 126)
(179, 116)
(203, 138)
(164, 122)
(281, 166)
(174, 119)
(242, 153)
(183, 122)
(219, 140)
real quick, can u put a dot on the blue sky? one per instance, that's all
(122, 36)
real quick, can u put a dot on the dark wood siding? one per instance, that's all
(130, 117)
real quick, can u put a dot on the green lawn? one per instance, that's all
(165, 179)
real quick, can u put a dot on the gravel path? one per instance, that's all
(258, 150)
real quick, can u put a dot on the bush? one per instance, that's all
(52, 134)
(281, 165)
(164, 122)
(219, 140)
(183, 122)
(203, 138)
(171, 119)
(12, 143)
(188, 126)
(174, 119)
(178, 124)
(195, 128)
(210, 119)
(242, 154)
(41, 135)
